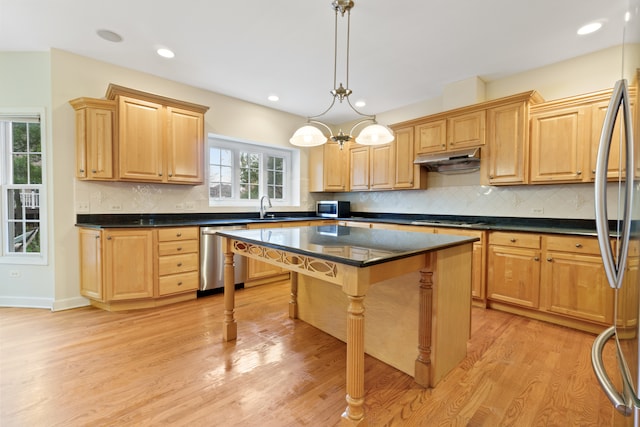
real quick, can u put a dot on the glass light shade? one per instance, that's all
(308, 136)
(375, 134)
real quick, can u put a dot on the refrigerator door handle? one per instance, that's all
(617, 399)
(614, 269)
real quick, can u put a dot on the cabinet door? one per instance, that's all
(140, 147)
(359, 163)
(407, 174)
(507, 145)
(514, 275)
(335, 167)
(91, 264)
(576, 285)
(431, 137)
(381, 171)
(128, 264)
(616, 164)
(466, 130)
(558, 141)
(185, 146)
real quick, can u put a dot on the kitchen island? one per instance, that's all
(354, 259)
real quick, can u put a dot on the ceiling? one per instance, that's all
(401, 52)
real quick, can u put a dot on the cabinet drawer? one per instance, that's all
(178, 283)
(178, 233)
(578, 244)
(173, 264)
(177, 247)
(521, 240)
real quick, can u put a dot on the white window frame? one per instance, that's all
(292, 180)
(7, 257)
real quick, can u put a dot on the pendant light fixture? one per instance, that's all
(310, 135)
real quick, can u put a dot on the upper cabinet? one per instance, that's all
(329, 168)
(505, 158)
(407, 174)
(94, 138)
(450, 131)
(565, 135)
(150, 138)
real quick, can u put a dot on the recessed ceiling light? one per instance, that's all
(109, 35)
(360, 103)
(273, 98)
(589, 28)
(165, 53)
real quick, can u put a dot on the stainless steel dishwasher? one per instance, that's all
(212, 259)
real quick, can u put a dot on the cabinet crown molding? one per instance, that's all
(115, 90)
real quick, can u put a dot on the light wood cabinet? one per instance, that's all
(329, 168)
(178, 260)
(407, 175)
(95, 123)
(382, 167)
(431, 136)
(137, 136)
(128, 264)
(359, 163)
(505, 159)
(466, 130)
(513, 273)
(573, 279)
(130, 268)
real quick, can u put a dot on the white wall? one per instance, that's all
(25, 82)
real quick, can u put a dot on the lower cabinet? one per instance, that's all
(128, 268)
(557, 278)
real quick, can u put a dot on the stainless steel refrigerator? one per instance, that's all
(617, 216)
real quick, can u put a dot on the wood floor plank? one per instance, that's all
(169, 366)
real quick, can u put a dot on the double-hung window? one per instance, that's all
(22, 185)
(241, 173)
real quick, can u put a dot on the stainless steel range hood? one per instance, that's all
(462, 161)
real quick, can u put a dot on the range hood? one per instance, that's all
(462, 161)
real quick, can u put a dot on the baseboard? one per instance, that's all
(26, 302)
(69, 303)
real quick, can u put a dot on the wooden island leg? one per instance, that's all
(229, 326)
(354, 414)
(293, 302)
(423, 362)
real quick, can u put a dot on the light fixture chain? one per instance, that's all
(335, 51)
(348, 44)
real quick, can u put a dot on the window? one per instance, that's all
(240, 173)
(22, 184)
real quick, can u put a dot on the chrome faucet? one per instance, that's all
(263, 210)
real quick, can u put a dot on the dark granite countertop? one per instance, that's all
(584, 227)
(360, 247)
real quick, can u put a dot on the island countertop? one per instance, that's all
(360, 247)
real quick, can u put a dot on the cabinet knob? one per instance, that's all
(98, 236)
(81, 170)
(178, 234)
(579, 172)
(179, 249)
(160, 174)
(170, 175)
(549, 259)
(593, 171)
(444, 145)
(93, 171)
(512, 240)
(578, 245)
(536, 258)
(490, 176)
(179, 283)
(109, 238)
(179, 264)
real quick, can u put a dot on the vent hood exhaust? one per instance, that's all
(462, 161)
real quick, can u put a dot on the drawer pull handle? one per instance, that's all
(178, 234)
(578, 245)
(179, 249)
(512, 240)
(179, 283)
(536, 258)
(549, 259)
(179, 264)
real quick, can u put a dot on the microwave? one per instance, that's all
(333, 209)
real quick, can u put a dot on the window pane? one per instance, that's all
(225, 174)
(279, 162)
(35, 169)
(34, 138)
(226, 191)
(214, 190)
(15, 210)
(20, 173)
(226, 157)
(278, 193)
(19, 136)
(279, 178)
(214, 156)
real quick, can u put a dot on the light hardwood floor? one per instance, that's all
(169, 366)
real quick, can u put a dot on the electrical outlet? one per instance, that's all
(82, 207)
(14, 273)
(116, 207)
(190, 206)
(537, 211)
(179, 206)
